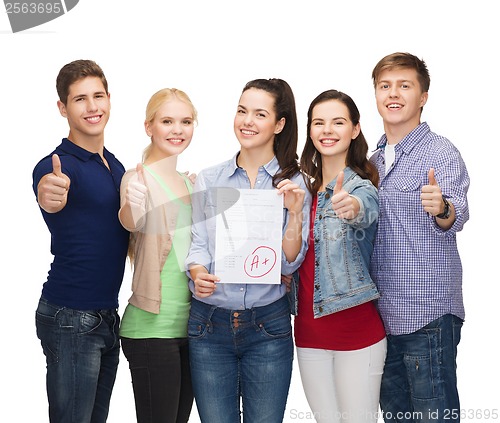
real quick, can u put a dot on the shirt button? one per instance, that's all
(327, 196)
(236, 314)
(320, 217)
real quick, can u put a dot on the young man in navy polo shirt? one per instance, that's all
(78, 191)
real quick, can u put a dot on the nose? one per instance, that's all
(91, 105)
(328, 127)
(394, 91)
(248, 121)
(177, 128)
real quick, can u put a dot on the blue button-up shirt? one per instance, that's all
(202, 251)
(415, 264)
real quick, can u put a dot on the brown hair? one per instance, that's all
(403, 61)
(285, 143)
(357, 160)
(73, 72)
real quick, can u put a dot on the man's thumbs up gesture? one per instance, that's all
(53, 188)
(344, 205)
(431, 196)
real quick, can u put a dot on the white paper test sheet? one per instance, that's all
(248, 236)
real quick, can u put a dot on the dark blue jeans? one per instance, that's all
(241, 354)
(82, 350)
(419, 383)
(161, 379)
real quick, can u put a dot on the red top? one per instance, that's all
(351, 329)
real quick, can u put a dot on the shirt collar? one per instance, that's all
(409, 142)
(348, 174)
(272, 167)
(71, 148)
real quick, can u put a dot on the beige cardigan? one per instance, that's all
(151, 241)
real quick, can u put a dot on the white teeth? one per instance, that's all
(328, 142)
(394, 106)
(245, 132)
(93, 118)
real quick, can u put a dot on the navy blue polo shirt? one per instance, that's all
(87, 240)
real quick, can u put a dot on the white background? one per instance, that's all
(210, 50)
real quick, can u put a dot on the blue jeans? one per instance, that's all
(419, 383)
(82, 351)
(241, 354)
(161, 378)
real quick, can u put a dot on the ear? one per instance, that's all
(147, 127)
(280, 125)
(423, 99)
(62, 108)
(355, 132)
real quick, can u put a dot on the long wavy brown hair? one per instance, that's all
(285, 143)
(357, 159)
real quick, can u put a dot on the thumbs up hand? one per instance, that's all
(344, 205)
(136, 193)
(431, 196)
(53, 188)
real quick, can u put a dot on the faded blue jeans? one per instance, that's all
(241, 354)
(82, 351)
(419, 383)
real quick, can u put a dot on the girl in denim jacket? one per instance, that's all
(339, 335)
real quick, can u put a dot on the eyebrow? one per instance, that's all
(335, 118)
(85, 95)
(385, 81)
(257, 110)
(172, 118)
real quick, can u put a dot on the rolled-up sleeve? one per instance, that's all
(452, 177)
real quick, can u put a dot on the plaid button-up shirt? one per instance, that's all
(415, 264)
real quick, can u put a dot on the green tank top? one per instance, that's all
(171, 322)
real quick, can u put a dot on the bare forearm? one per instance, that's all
(292, 240)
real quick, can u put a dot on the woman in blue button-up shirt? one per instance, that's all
(240, 334)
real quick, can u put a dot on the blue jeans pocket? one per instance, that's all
(424, 368)
(197, 326)
(276, 326)
(47, 330)
(89, 321)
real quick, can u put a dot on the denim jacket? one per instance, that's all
(342, 249)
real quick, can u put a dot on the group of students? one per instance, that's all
(369, 261)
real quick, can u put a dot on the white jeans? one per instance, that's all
(343, 386)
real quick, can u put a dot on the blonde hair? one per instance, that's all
(155, 103)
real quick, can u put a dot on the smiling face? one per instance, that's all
(171, 129)
(87, 109)
(332, 130)
(255, 123)
(399, 100)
